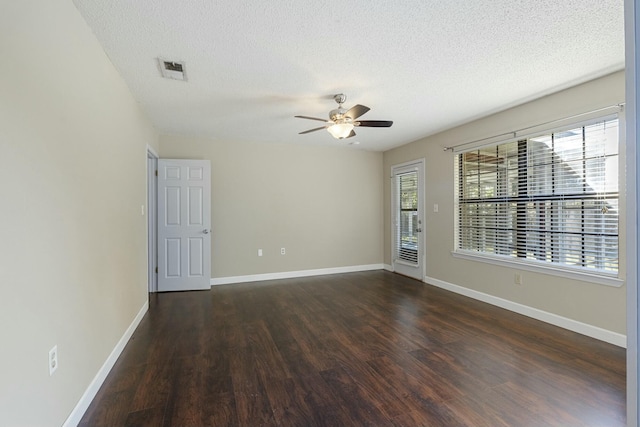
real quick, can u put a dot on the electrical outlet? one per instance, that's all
(517, 279)
(259, 252)
(282, 251)
(435, 207)
(53, 359)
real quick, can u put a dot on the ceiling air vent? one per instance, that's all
(172, 70)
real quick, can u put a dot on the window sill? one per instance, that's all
(585, 276)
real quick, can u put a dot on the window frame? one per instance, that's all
(547, 267)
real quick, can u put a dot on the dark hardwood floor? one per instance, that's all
(358, 349)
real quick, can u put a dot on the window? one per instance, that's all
(549, 199)
(408, 216)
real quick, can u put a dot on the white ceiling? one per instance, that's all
(428, 65)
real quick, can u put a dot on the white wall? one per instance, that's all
(322, 204)
(597, 305)
(72, 240)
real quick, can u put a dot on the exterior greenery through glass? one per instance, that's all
(552, 198)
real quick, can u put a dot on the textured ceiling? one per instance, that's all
(428, 65)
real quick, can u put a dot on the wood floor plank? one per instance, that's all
(110, 409)
(424, 385)
(220, 410)
(290, 405)
(187, 401)
(150, 417)
(367, 349)
(358, 402)
(266, 357)
(484, 363)
(303, 356)
(458, 376)
(533, 408)
(153, 388)
(316, 337)
(307, 401)
(555, 391)
(487, 410)
(252, 405)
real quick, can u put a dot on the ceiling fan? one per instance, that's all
(342, 121)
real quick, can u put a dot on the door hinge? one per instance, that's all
(156, 172)
(156, 270)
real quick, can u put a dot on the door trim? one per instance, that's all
(152, 217)
(420, 165)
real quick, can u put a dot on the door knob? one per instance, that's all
(206, 231)
(418, 230)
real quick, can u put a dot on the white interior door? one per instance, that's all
(408, 219)
(184, 225)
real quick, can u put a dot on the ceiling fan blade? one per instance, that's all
(375, 123)
(356, 111)
(311, 130)
(311, 118)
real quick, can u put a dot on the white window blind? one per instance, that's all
(407, 222)
(551, 198)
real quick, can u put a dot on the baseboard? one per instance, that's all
(563, 322)
(389, 267)
(293, 274)
(76, 415)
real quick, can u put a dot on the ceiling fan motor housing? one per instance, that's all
(337, 114)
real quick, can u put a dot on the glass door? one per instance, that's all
(408, 219)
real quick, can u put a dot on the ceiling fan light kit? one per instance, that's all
(340, 130)
(342, 121)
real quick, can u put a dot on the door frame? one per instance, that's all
(152, 217)
(419, 164)
(632, 97)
